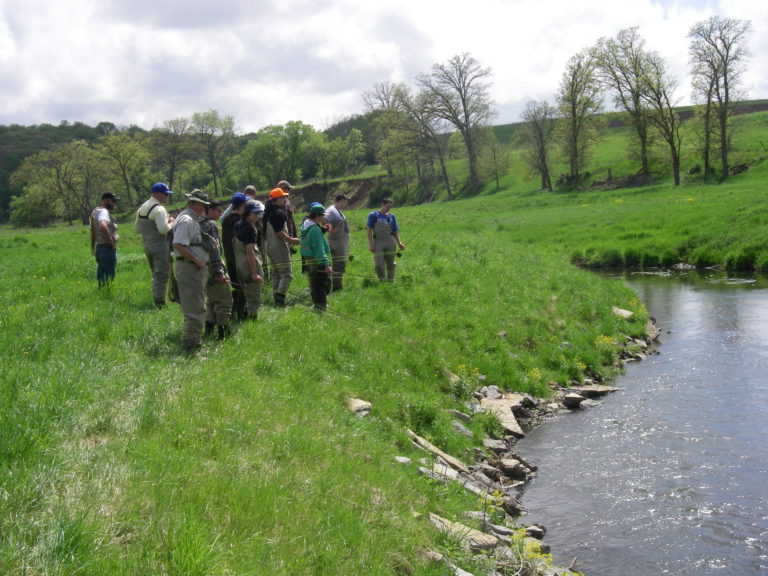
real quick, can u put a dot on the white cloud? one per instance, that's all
(146, 61)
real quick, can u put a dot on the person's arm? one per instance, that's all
(186, 252)
(93, 235)
(397, 239)
(290, 239)
(369, 231)
(104, 225)
(250, 255)
(163, 222)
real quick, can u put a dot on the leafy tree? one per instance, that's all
(73, 174)
(539, 128)
(621, 63)
(129, 160)
(658, 93)
(171, 146)
(216, 134)
(718, 55)
(495, 160)
(459, 94)
(579, 101)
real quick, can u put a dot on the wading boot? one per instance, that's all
(279, 300)
(209, 328)
(223, 331)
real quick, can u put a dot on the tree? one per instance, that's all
(718, 55)
(216, 134)
(171, 146)
(128, 159)
(539, 127)
(73, 174)
(621, 63)
(458, 93)
(494, 160)
(658, 93)
(578, 100)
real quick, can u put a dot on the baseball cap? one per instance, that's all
(161, 187)
(277, 193)
(250, 188)
(110, 195)
(316, 208)
(285, 185)
(253, 206)
(238, 199)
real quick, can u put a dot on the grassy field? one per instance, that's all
(121, 455)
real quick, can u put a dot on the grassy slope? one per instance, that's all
(119, 455)
(122, 456)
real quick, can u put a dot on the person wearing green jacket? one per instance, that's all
(317, 254)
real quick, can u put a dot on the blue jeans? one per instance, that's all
(106, 263)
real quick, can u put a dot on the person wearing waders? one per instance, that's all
(278, 245)
(250, 269)
(228, 223)
(316, 254)
(153, 225)
(218, 296)
(338, 239)
(384, 240)
(191, 268)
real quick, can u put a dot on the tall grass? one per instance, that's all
(122, 455)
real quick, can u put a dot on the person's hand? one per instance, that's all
(328, 270)
(222, 280)
(401, 245)
(256, 278)
(371, 248)
(295, 241)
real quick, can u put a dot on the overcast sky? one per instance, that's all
(269, 62)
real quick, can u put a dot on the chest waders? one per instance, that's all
(280, 271)
(158, 255)
(384, 246)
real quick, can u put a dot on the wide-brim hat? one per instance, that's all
(198, 196)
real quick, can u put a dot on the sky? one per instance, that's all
(267, 62)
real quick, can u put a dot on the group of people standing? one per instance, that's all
(216, 276)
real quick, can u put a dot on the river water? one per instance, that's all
(670, 474)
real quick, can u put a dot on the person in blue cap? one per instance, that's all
(229, 219)
(153, 224)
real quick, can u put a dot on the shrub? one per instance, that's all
(633, 258)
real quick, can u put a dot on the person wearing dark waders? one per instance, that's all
(218, 296)
(384, 240)
(104, 239)
(191, 268)
(338, 239)
(153, 225)
(228, 222)
(278, 245)
(316, 254)
(250, 271)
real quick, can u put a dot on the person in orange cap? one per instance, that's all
(278, 244)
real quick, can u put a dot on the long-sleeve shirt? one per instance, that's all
(314, 246)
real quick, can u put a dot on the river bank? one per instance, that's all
(499, 472)
(668, 476)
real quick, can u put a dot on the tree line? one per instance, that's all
(643, 90)
(414, 133)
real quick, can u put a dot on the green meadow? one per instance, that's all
(119, 454)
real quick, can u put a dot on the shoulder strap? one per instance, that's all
(148, 213)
